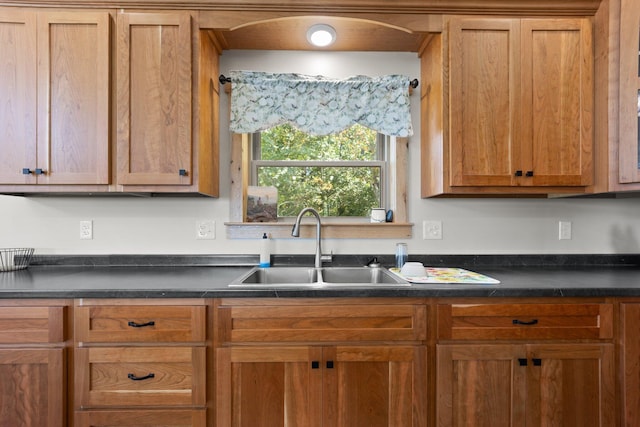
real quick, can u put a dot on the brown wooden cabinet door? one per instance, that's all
(630, 363)
(484, 78)
(629, 148)
(557, 102)
(526, 385)
(73, 97)
(376, 386)
(571, 385)
(32, 387)
(269, 386)
(520, 102)
(154, 99)
(481, 385)
(18, 95)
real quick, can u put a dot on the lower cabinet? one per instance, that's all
(525, 385)
(33, 385)
(630, 363)
(321, 386)
(140, 363)
(321, 362)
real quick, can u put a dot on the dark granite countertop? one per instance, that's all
(208, 277)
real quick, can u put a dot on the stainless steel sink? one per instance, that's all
(318, 277)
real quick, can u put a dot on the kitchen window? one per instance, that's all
(311, 166)
(339, 175)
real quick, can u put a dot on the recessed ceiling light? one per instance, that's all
(321, 35)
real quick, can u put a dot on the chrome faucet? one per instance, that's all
(295, 232)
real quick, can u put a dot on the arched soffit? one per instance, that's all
(289, 33)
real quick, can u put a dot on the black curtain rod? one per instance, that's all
(413, 83)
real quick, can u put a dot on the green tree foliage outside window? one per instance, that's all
(332, 188)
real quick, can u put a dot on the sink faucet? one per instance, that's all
(295, 232)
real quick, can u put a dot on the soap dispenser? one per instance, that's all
(265, 251)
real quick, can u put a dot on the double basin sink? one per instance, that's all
(293, 277)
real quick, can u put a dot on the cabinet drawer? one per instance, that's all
(21, 325)
(142, 418)
(323, 323)
(525, 321)
(140, 323)
(140, 376)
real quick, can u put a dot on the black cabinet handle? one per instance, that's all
(518, 173)
(537, 362)
(522, 322)
(522, 362)
(529, 173)
(329, 364)
(182, 172)
(315, 364)
(140, 325)
(133, 377)
(39, 171)
(26, 171)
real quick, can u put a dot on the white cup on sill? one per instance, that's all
(378, 215)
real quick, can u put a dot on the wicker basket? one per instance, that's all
(15, 258)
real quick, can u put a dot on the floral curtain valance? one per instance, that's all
(319, 105)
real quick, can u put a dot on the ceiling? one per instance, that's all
(290, 34)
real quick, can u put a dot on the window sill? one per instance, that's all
(331, 230)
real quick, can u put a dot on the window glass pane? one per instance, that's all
(284, 142)
(332, 191)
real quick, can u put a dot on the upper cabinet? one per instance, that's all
(629, 151)
(508, 107)
(54, 118)
(159, 146)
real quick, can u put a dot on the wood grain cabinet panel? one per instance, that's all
(324, 323)
(510, 110)
(140, 376)
(629, 144)
(321, 386)
(533, 384)
(62, 60)
(167, 104)
(525, 321)
(142, 418)
(141, 363)
(321, 362)
(142, 324)
(154, 98)
(630, 363)
(33, 384)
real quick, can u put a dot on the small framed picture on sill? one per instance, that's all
(262, 204)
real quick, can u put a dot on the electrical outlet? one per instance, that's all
(86, 230)
(564, 230)
(432, 230)
(205, 229)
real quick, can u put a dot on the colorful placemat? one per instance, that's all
(449, 275)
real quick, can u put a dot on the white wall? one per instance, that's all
(133, 225)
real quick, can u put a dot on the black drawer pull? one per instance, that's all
(39, 171)
(521, 322)
(140, 325)
(529, 173)
(133, 377)
(537, 362)
(329, 364)
(518, 173)
(522, 362)
(26, 171)
(315, 364)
